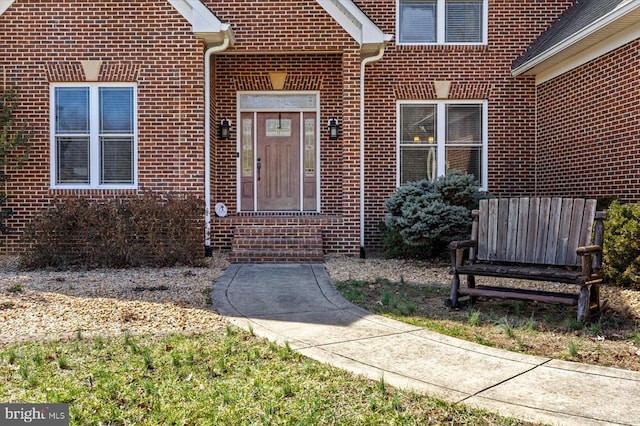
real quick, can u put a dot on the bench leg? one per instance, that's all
(583, 303)
(452, 302)
(594, 297)
(471, 283)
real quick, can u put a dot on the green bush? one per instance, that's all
(148, 230)
(423, 217)
(621, 247)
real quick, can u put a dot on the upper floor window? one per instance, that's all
(93, 136)
(442, 21)
(436, 137)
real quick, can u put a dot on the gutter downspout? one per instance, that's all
(208, 250)
(363, 64)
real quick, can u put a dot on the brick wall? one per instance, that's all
(320, 72)
(147, 42)
(476, 73)
(300, 39)
(589, 122)
(150, 43)
(404, 73)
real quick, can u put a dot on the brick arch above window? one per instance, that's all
(109, 71)
(427, 91)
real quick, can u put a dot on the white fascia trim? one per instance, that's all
(202, 20)
(355, 22)
(4, 5)
(608, 45)
(608, 19)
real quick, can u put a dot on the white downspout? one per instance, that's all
(207, 138)
(365, 61)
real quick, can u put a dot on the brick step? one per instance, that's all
(276, 231)
(291, 242)
(276, 256)
(277, 244)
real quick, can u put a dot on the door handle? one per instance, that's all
(258, 166)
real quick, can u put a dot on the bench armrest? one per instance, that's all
(591, 259)
(457, 250)
(581, 251)
(455, 245)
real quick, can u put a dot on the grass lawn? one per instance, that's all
(611, 339)
(231, 378)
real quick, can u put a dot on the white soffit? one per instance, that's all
(608, 33)
(204, 23)
(4, 5)
(355, 22)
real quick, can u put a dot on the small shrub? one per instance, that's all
(148, 230)
(14, 149)
(422, 217)
(621, 254)
(16, 288)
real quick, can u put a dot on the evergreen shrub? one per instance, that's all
(423, 217)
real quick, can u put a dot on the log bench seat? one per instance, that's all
(539, 239)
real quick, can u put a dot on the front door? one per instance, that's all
(278, 161)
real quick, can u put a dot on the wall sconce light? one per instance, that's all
(333, 128)
(225, 129)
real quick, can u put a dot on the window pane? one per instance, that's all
(309, 147)
(417, 21)
(465, 159)
(116, 110)
(72, 160)
(417, 124)
(116, 165)
(72, 110)
(464, 124)
(463, 21)
(417, 163)
(247, 147)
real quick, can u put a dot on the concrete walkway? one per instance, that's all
(298, 304)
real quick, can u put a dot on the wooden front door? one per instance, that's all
(278, 161)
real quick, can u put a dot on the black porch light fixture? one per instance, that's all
(333, 128)
(225, 129)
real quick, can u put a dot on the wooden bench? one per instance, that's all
(541, 239)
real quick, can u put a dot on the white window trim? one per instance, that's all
(94, 137)
(441, 130)
(440, 27)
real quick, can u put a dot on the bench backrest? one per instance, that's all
(533, 230)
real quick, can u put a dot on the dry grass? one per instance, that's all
(414, 292)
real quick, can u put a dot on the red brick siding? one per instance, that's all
(147, 42)
(151, 43)
(589, 122)
(301, 39)
(317, 72)
(476, 73)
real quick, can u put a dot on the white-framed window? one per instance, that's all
(442, 21)
(94, 135)
(435, 137)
